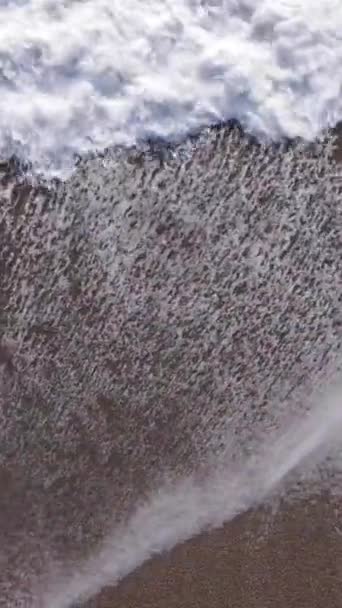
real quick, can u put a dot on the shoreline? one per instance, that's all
(23, 170)
(291, 558)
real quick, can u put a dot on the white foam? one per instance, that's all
(175, 514)
(80, 75)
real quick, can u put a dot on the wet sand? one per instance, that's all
(291, 559)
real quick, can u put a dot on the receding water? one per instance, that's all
(171, 340)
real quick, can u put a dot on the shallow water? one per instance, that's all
(168, 318)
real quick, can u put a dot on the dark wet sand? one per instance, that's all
(292, 559)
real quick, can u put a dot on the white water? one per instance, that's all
(80, 75)
(177, 513)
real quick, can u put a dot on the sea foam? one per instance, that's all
(80, 75)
